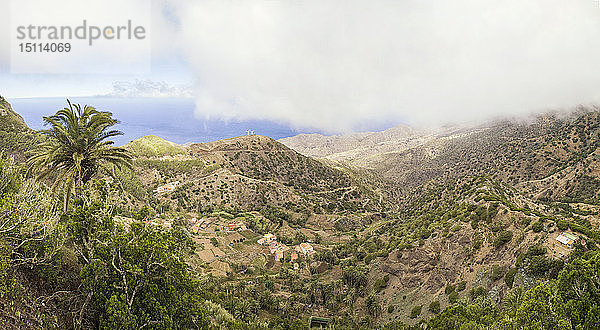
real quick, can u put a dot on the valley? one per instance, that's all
(388, 229)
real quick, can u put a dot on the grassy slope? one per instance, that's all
(154, 146)
(15, 137)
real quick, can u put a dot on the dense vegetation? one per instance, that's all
(571, 301)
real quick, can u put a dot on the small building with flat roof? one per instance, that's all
(306, 248)
(267, 239)
(567, 239)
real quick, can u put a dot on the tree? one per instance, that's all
(131, 277)
(509, 278)
(503, 237)
(579, 286)
(355, 276)
(78, 148)
(373, 307)
(479, 315)
(434, 306)
(27, 216)
(477, 292)
(496, 273)
(542, 308)
(416, 311)
(511, 302)
(29, 245)
(537, 226)
(453, 297)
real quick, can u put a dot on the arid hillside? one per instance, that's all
(247, 173)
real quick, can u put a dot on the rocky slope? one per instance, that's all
(317, 145)
(551, 151)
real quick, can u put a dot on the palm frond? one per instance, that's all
(78, 147)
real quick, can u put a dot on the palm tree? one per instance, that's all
(76, 148)
(511, 302)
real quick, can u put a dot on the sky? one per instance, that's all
(333, 66)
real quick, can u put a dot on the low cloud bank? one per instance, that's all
(334, 66)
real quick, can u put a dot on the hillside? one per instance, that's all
(391, 230)
(536, 157)
(154, 146)
(317, 145)
(474, 233)
(248, 173)
(15, 136)
(548, 157)
(10, 119)
(480, 209)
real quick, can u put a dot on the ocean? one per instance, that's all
(172, 119)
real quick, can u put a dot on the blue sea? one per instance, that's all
(172, 119)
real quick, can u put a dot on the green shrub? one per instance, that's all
(434, 307)
(496, 273)
(461, 286)
(453, 297)
(562, 225)
(503, 237)
(449, 289)
(391, 308)
(370, 257)
(416, 311)
(496, 227)
(509, 278)
(537, 226)
(477, 242)
(381, 283)
(543, 266)
(477, 292)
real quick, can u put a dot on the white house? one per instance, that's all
(567, 239)
(267, 239)
(305, 248)
(169, 187)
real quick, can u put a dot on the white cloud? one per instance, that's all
(149, 88)
(335, 65)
